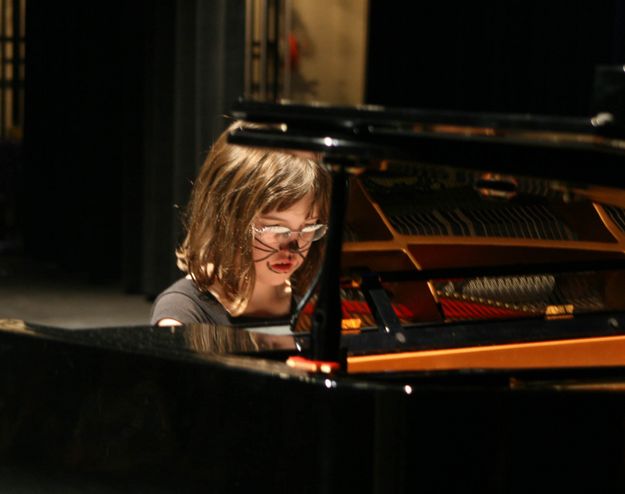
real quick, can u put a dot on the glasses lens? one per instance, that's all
(276, 235)
(272, 235)
(320, 232)
(313, 232)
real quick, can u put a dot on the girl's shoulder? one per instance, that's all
(183, 302)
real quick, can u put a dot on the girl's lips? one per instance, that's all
(281, 267)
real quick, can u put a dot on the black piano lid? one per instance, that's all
(578, 150)
(330, 117)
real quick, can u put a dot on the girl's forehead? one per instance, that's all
(290, 213)
(304, 208)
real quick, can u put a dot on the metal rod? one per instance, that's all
(2, 71)
(249, 37)
(288, 19)
(276, 49)
(16, 63)
(22, 55)
(263, 49)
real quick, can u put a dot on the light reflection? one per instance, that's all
(330, 383)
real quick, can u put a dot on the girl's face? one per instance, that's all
(277, 257)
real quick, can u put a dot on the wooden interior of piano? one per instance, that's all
(413, 216)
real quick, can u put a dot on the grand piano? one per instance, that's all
(466, 332)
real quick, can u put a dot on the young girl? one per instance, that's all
(254, 229)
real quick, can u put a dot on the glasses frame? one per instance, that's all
(287, 232)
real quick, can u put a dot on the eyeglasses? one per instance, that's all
(276, 235)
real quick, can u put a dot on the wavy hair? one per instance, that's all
(235, 185)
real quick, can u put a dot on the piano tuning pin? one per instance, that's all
(494, 185)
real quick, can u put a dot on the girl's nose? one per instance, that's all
(291, 246)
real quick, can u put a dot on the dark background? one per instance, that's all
(122, 101)
(124, 98)
(513, 56)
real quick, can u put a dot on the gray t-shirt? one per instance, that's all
(183, 302)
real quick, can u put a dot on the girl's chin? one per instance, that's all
(273, 279)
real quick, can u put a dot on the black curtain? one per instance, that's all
(521, 56)
(122, 101)
(76, 75)
(195, 73)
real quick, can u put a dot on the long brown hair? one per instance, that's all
(234, 186)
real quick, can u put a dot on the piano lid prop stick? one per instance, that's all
(326, 320)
